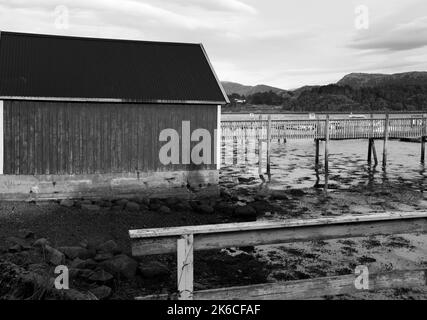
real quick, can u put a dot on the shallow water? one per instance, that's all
(293, 164)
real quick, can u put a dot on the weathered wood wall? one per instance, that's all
(85, 138)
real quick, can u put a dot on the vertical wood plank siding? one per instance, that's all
(85, 138)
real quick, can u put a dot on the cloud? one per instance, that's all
(399, 37)
(143, 11)
(234, 6)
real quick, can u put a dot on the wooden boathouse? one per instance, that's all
(83, 117)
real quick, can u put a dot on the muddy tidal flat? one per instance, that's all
(91, 236)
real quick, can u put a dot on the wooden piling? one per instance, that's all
(317, 142)
(374, 152)
(386, 129)
(326, 152)
(260, 160)
(423, 140)
(268, 144)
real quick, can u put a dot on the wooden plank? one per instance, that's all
(2, 129)
(185, 267)
(309, 288)
(163, 240)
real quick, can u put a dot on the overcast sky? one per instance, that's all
(281, 43)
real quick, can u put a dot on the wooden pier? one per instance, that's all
(267, 130)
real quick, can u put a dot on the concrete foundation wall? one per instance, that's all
(188, 184)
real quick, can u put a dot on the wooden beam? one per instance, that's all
(309, 288)
(217, 236)
(1, 137)
(185, 267)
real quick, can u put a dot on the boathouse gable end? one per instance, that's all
(83, 117)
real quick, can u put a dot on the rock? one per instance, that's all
(15, 248)
(75, 252)
(103, 256)
(86, 201)
(183, 206)
(154, 206)
(83, 264)
(101, 292)
(205, 209)
(56, 257)
(164, 209)
(225, 208)
(105, 204)
(153, 269)
(91, 207)
(121, 265)
(41, 243)
(297, 192)
(116, 208)
(122, 202)
(245, 212)
(170, 202)
(109, 246)
(100, 275)
(29, 235)
(66, 203)
(132, 206)
(261, 206)
(72, 294)
(16, 240)
(278, 195)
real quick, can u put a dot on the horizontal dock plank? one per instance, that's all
(308, 288)
(206, 237)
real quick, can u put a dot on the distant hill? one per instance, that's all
(244, 90)
(354, 92)
(364, 80)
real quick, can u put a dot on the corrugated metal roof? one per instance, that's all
(72, 68)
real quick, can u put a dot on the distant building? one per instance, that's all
(84, 117)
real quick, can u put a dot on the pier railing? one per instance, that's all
(315, 129)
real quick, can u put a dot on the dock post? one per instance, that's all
(371, 139)
(317, 142)
(386, 129)
(260, 159)
(326, 152)
(369, 150)
(423, 139)
(185, 267)
(268, 144)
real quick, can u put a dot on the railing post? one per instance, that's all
(326, 152)
(371, 138)
(386, 129)
(185, 267)
(268, 144)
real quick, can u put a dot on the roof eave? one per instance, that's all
(111, 100)
(215, 75)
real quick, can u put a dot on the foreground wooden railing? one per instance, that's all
(184, 240)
